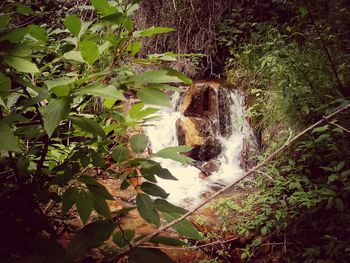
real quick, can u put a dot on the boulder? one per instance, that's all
(211, 102)
(198, 133)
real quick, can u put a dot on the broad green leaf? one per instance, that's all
(4, 20)
(85, 205)
(148, 255)
(134, 48)
(95, 187)
(88, 125)
(138, 112)
(155, 76)
(164, 87)
(153, 168)
(120, 154)
(183, 77)
(39, 33)
(116, 18)
(62, 81)
(89, 51)
(153, 31)
(184, 227)
(171, 213)
(24, 10)
(69, 199)
(56, 111)
(146, 209)
(119, 237)
(165, 174)
(167, 241)
(173, 153)
(102, 91)
(91, 236)
(74, 55)
(15, 35)
(21, 64)
(153, 189)
(139, 143)
(8, 141)
(73, 24)
(103, 7)
(100, 205)
(164, 206)
(153, 96)
(16, 50)
(97, 159)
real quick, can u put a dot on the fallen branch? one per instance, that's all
(287, 144)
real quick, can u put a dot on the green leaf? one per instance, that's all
(148, 255)
(88, 125)
(167, 241)
(103, 7)
(134, 48)
(4, 20)
(73, 24)
(74, 55)
(116, 18)
(97, 159)
(56, 111)
(21, 64)
(95, 187)
(119, 237)
(89, 51)
(146, 209)
(155, 76)
(153, 168)
(153, 96)
(173, 153)
(16, 50)
(24, 10)
(8, 141)
(183, 77)
(153, 189)
(164, 206)
(137, 112)
(39, 33)
(171, 213)
(85, 205)
(102, 91)
(69, 199)
(91, 236)
(184, 227)
(100, 205)
(15, 35)
(153, 31)
(58, 82)
(139, 143)
(120, 154)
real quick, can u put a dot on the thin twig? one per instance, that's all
(253, 170)
(194, 247)
(341, 127)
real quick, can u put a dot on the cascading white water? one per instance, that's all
(189, 188)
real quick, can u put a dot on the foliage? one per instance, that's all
(52, 142)
(294, 72)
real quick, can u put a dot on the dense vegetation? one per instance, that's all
(65, 77)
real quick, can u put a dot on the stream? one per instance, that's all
(191, 188)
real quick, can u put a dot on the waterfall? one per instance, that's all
(190, 188)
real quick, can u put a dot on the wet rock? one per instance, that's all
(198, 133)
(211, 167)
